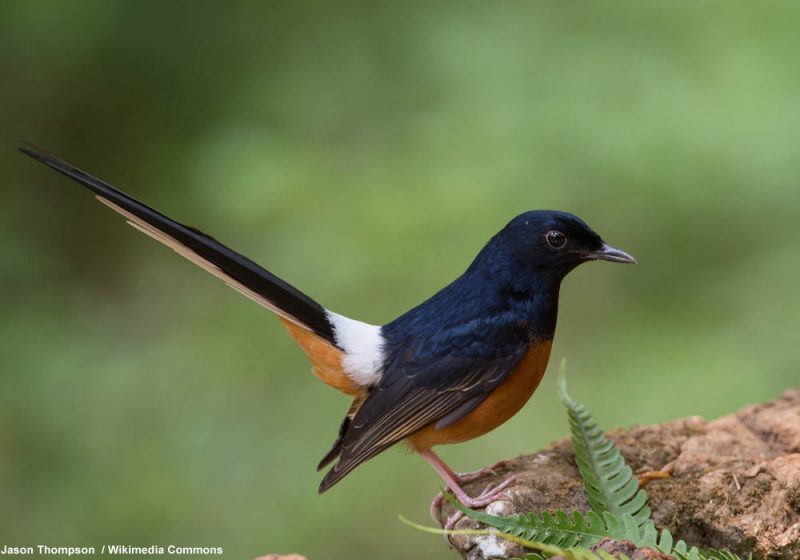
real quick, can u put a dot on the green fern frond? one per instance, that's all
(714, 554)
(578, 554)
(544, 550)
(609, 483)
(583, 530)
(559, 528)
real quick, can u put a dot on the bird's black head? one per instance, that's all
(548, 244)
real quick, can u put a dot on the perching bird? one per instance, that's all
(451, 369)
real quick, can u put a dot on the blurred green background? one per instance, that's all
(365, 152)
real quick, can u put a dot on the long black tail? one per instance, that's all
(238, 271)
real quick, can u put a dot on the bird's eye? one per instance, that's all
(555, 239)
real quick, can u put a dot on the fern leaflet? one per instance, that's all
(609, 483)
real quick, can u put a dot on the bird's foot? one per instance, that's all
(646, 477)
(450, 524)
(464, 478)
(490, 494)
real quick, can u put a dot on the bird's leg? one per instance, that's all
(491, 493)
(460, 478)
(463, 478)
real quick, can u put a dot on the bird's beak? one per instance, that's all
(609, 253)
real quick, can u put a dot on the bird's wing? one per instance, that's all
(236, 270)
(414, 393)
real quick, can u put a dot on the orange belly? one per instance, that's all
(501, 404)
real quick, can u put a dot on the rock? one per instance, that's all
(735, 482)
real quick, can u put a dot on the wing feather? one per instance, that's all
(412, 396)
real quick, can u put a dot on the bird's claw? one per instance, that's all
(490, 494)
(464, 478)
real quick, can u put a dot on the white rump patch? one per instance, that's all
(363, 348)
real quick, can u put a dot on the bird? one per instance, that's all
(451, 369)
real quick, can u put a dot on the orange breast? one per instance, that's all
(326, 360)
(501, 404)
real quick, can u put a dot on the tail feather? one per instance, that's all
(236, 270)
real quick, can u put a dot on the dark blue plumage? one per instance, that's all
(514, 280)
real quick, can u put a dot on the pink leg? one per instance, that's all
(480, 473)
(463, 478)
(490, 494)
(493, 491)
